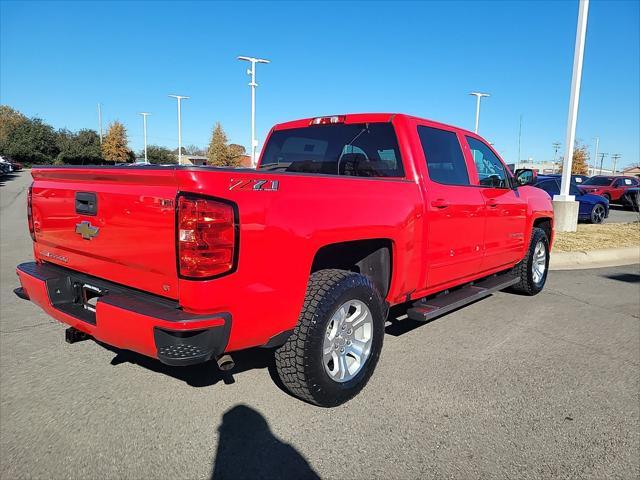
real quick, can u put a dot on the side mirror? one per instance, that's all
(526, 176)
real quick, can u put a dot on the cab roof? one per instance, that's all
(350, 118)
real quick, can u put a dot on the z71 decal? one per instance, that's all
(254, 185)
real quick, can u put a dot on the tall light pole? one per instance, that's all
(252, 72)
(179, 98)
(596, 155)
(556, 147)
(100, 121)
(565, 206)
(519, 140)
(478, 96)
(574, 99)
(144, 126)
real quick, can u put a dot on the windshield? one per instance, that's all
(362, 150)
(598, 181)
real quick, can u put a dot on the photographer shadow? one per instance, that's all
(248, 449)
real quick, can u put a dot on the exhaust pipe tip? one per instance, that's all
(225, 363)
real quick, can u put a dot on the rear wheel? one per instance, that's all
(533, 269)
(336, 345)
(598, 213)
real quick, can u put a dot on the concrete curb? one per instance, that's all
(610, 257)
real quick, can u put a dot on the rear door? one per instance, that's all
(621, 185)
(455, 209)
(506, 210)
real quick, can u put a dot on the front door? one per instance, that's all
(506, 210)
(454, 209)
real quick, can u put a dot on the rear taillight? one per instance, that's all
(206, 237)
(30, 214)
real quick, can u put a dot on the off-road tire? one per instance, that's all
(524, 269)
(299, 361)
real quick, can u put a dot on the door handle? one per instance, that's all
(439, 203)
(492, 203)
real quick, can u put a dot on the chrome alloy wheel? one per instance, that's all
(539, 262)
(347, 342)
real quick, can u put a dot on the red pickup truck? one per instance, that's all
(344, 217)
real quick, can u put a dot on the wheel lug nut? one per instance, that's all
(348, 342)
(342, 350)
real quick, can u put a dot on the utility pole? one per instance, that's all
(144, 123)
(179, 98)
(478, 96)
(602, 155)
(565, 205)
(100, 122)
(614, 160)
(252, 73)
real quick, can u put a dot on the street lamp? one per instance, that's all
(478, 96)
(144, 123)
(252, 72)
(179, 98)
(565, 206)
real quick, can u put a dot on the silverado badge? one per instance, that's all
(86, 230)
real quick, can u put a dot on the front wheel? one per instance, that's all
(598, 213)
(533, 269)
(335, 347)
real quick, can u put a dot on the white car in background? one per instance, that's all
(5, 166)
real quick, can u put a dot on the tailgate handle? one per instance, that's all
(86, 203)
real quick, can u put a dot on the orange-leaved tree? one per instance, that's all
(114, 146)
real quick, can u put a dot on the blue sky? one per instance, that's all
(59, 59)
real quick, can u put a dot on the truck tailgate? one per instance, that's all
(113, 223)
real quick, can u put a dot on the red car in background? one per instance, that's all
(609, 186)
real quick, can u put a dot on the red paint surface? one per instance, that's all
(481, 231)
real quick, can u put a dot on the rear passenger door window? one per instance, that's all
(445, 161)
(491, 171)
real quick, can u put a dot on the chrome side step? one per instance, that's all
(429, 308)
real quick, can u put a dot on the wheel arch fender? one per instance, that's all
(372, 257)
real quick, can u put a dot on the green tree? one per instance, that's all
(115, 147)
(218, 151)
(159, 155)
(30, 141)
(81, 148)
(9, 120)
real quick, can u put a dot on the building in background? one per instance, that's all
(194, 159)
(633, 171)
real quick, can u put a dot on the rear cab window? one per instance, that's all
(359, 150)
(445, 161)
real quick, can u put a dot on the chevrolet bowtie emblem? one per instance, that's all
(87, 230)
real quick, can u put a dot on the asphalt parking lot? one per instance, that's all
(619, 214)
(509, 387)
